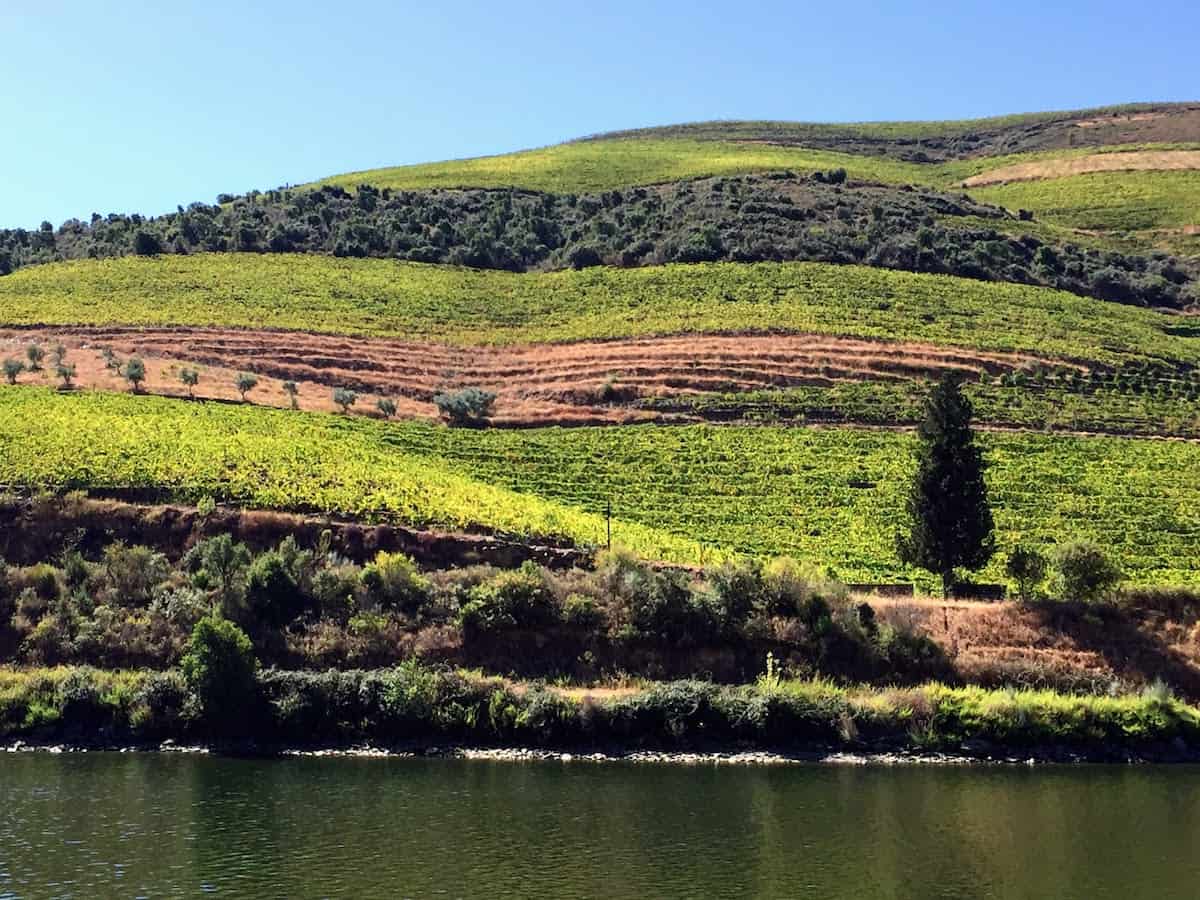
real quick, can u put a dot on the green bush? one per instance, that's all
(219, 669)
(1084, 573)
(392, 581)
(1027, 568)
(470, 406)
(273, 595)
(508, 601)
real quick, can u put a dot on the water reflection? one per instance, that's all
(126, 825)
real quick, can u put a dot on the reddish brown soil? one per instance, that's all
(573, 383)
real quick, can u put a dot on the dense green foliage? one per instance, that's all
(950, 523)
(775, 218)
(383, 297)
(414, 703)
(830, 496)
(219, 669)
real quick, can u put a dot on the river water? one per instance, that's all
(167, 825)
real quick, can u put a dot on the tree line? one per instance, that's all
(780, 217)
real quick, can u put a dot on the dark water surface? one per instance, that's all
(165, 825)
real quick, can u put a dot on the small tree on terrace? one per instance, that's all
(470, 406)
(66, 372)
(1027, 568)
(345, 398)
(13, 368)
(135, 373)
(386, 407)
(245, 383)
(35, 354)
(190, 377)
(950, 521)
(292, 390)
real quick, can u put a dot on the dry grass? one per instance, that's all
(1135, 161)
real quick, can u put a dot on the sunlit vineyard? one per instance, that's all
(604, 165)
(1106, 201)
(832, 496)
(458, 305)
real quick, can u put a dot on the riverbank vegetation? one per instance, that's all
(411, 704)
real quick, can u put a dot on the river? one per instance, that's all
(166, 825)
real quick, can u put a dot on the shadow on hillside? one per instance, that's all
(1132, 652)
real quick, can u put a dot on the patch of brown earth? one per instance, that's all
(573, 383)
(1137, 161)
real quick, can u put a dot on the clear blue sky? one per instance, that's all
(136, 106)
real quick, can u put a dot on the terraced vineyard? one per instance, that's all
(830, 496)
(465, 306)
(589, 306)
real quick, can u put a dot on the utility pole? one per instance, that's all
(608, 521)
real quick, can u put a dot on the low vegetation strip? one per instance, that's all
(588, 166)
(685, 494)
(467, 306)
(412, 704)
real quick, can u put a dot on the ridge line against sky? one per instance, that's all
(146, 107)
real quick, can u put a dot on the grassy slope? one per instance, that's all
(911, 130)
(603, 165)
(832, 496)
(1112, 201)
(383, 297)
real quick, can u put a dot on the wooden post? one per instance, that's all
(608, 521)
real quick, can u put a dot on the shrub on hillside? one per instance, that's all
(1027, 568)
(1084, 573)
(219, 669)
(392, 581)
(470, 406)
(509, 601)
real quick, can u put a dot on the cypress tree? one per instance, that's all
(950, 523)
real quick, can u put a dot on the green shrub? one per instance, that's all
(135, 373)
(13, 368)
(470, 406)
(1027, 568)
(245, 383)
(273, 595)
(737, 589)
(219, 669)
(132, 573)
(345, 398)
(1084, 573)
(669, 611)
(508, 601)
(582, 613)
(392, 581)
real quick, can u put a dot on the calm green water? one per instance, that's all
(126, 825)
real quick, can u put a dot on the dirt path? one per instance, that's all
(1140, 160)
(574, 383)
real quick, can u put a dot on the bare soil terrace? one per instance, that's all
(1134, 161)
(574, 383)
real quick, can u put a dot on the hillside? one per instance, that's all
(748, 275)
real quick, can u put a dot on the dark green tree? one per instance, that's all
(950, 522)
(219, 668)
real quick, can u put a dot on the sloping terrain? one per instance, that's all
(784, 274)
